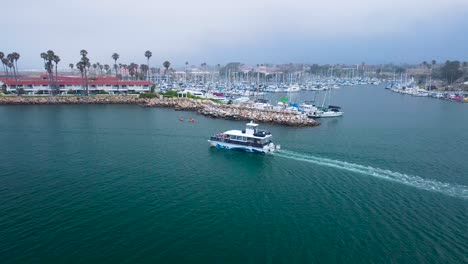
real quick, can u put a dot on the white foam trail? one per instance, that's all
(454, 190)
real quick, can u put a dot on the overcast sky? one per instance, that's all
(249, 31)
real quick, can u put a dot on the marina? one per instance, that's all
(141, 171)
(411, 88)
(247, 131)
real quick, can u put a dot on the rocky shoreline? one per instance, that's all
(203, 107)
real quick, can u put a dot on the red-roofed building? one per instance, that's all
(66, 84)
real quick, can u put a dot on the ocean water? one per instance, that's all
(388, 182)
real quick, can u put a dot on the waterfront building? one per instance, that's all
(67, 84)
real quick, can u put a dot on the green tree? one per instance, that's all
(451, 71)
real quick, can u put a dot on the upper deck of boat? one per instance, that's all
(241, 134)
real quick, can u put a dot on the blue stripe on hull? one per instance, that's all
(219, 146)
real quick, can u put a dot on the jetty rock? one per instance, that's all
(56, 100)
(203, 107)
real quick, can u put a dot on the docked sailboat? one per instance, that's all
(330, 111)
(249, 140)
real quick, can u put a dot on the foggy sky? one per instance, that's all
(249, 31)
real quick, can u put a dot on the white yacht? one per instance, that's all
(293, 88)
(250, 140)
(307, 107)
(331, 111)
(241, 100)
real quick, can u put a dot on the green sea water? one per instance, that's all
(386, 183)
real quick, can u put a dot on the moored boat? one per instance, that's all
(249, 140)
(330, 111)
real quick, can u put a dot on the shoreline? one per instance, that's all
(203, 107)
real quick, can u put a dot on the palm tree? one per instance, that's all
(125, 67)
(166, 65)
(71, 66)
(44, 58)
(2, 55)
(131, 69)
(115, 68)
(56, 60)
(100, 68)
(11, 60)
(106, 68)
(115, 57)
(148, 55)
(10, 65)
(85, 64)
(81, 67)
(16, 57)
(94, 67)
(5, 64)
(47, 57)
(144, 69)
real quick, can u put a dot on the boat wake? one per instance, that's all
(454, 190)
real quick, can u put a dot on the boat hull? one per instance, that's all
(331, 114)
(325, 114)
(224, 145)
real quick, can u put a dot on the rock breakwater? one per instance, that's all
(204, 107)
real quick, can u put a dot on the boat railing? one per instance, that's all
(244, 143)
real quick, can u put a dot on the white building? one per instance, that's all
(75, 85)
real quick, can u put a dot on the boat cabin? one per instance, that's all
(250, 136)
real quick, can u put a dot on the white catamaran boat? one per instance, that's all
(249, 140)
